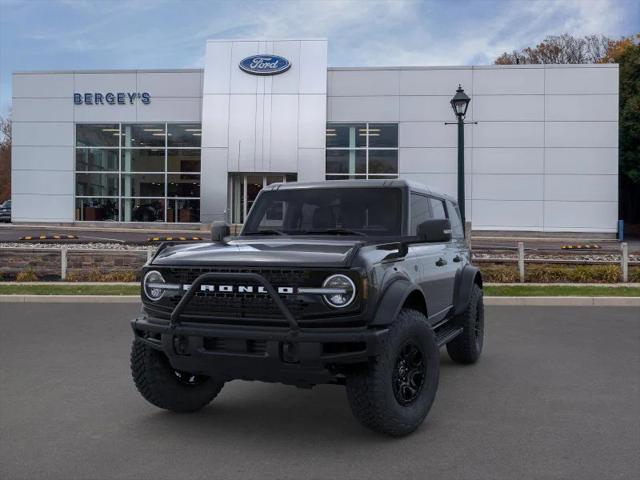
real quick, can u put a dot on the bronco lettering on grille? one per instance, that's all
(240, 289)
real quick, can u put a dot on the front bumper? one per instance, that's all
(301, 357)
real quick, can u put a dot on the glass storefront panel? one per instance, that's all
(183, 211)
(143, 160)
(180, 185)
(97, 185)
(184, 135)
(143, 185)
(96, 160)
(346, 135)
(362, 150)
(383, 161)
(143, 209)
(383, 135)
(346, 177)
(183, 161)
(144, 135)
(96, 209)
(102, 135)
(133, 164)
(346, 161)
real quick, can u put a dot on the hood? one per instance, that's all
(262, 252)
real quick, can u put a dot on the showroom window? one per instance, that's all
(361, 150)
(138, 172)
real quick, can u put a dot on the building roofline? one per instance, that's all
(116, 70)
(478, 67)
(227, 40)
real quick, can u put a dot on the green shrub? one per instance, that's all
(96, 275)
(499, 272)
(556, 273)
(27, 275)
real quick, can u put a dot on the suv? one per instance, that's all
(356, 283)
(5, 211)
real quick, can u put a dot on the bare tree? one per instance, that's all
(563, 48)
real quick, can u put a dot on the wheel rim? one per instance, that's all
(189, 379)
(408, 374)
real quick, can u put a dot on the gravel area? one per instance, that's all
(77, 246)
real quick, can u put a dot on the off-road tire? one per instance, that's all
(159, 384)
(370, 388)
(467, 347)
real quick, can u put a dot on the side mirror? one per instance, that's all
(436, 230)
(219, 230)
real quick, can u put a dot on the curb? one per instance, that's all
(498, 301)
(565, 301)
(70, 299)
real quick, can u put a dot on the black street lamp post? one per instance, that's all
(460, 103)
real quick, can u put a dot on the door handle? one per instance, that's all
(457, 258)
(441, 262)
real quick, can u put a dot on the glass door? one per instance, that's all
(244, 189)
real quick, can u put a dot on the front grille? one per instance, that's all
(232, 306)
(228, 345)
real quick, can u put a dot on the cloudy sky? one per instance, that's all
(93, 34)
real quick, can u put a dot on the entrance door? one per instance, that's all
(244, 188)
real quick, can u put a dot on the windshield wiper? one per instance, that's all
(335, 231)
(266, 232)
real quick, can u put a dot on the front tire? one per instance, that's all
(467, 347)
(394, 392)
(167, 388)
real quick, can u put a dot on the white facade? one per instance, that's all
(543, 155)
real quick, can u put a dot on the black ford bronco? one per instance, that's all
(357, 283)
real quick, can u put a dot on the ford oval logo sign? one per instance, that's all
(265, 64)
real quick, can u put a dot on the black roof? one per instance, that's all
(373, 183)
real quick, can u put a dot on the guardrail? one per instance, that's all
(520, 259)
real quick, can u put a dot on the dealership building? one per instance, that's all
(197, 145)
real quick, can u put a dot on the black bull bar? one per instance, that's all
(256, 277)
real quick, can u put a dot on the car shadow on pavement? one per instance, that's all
(275, 413)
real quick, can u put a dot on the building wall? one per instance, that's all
(254, 123)
(543, 155)
(44, 114)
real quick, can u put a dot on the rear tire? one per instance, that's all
(163, 386)
(394, 392)
(467, 347)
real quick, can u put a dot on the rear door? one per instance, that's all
(446, 264)
(422, 260)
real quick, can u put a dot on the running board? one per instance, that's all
(447, 333)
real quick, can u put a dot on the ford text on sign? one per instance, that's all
(265, 64)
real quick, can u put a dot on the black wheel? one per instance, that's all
(467, 347)
(393, 393)
(167, 388)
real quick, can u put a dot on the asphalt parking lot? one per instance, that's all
(556, 395)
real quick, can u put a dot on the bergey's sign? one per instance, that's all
(110, 98)
(265, 64)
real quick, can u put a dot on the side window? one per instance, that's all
(457, 230)
(420, 212)
(437, 206)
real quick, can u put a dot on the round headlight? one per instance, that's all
(344, 291)
(152, 284)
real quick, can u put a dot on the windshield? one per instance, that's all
(325, 211)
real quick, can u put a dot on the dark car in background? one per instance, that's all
(5, 211)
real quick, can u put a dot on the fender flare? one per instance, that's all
(392, 301)
(465, 279)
